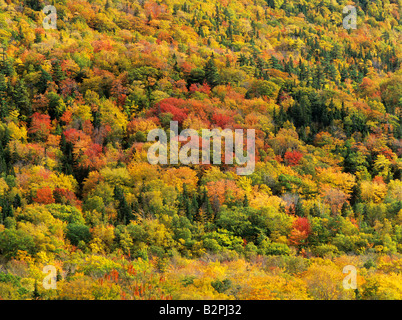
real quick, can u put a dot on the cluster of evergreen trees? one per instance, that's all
(197, 207)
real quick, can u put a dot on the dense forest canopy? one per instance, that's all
(78, 193)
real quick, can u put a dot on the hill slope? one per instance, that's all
(77, 191)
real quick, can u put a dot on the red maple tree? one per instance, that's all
(292, 158)
(44, 196)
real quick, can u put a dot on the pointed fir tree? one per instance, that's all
(67, 159)
(43, 81)
(3, 86)
(57, 72)
(245, 202)
(275, 63)
(211, 73)
(7, 68)
(123, 208)
(3, 163)
(315, 211)
(4, 111)
(35, 293)
(125, 211)
(318, 79)
(346, 208)
(21, 100)
(299, 211)
(194, 205)
(209, 213)
(17, 203)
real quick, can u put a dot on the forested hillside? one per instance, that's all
(77, 191)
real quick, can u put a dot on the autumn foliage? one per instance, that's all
(78, 192)
(44, 196)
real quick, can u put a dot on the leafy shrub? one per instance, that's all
(66, 213)
(77, 232)
(325, 250)
(212, 245)
(277, 249)
(221, 286)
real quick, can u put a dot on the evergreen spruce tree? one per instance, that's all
(124, 209)
(275, 63)
(281, 117)
(227, 62)
(245, 202)
(4, 112)
(353, 73)
(229, 32)
(17, 201)
(7, 209)
(302, 71)
(315, 211)
(206, 206)
(7, 68)
(211, 73)
(3, 163)
(21, 100)
(38, 37)
(299, 211)
(333, 73)
(344, 74)
(43, 81)
(346, 208)
(3, 86)
(318, 79)
(6, 137)
(194, 205)
(35, 293)
(57, 72)
(67, 159)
